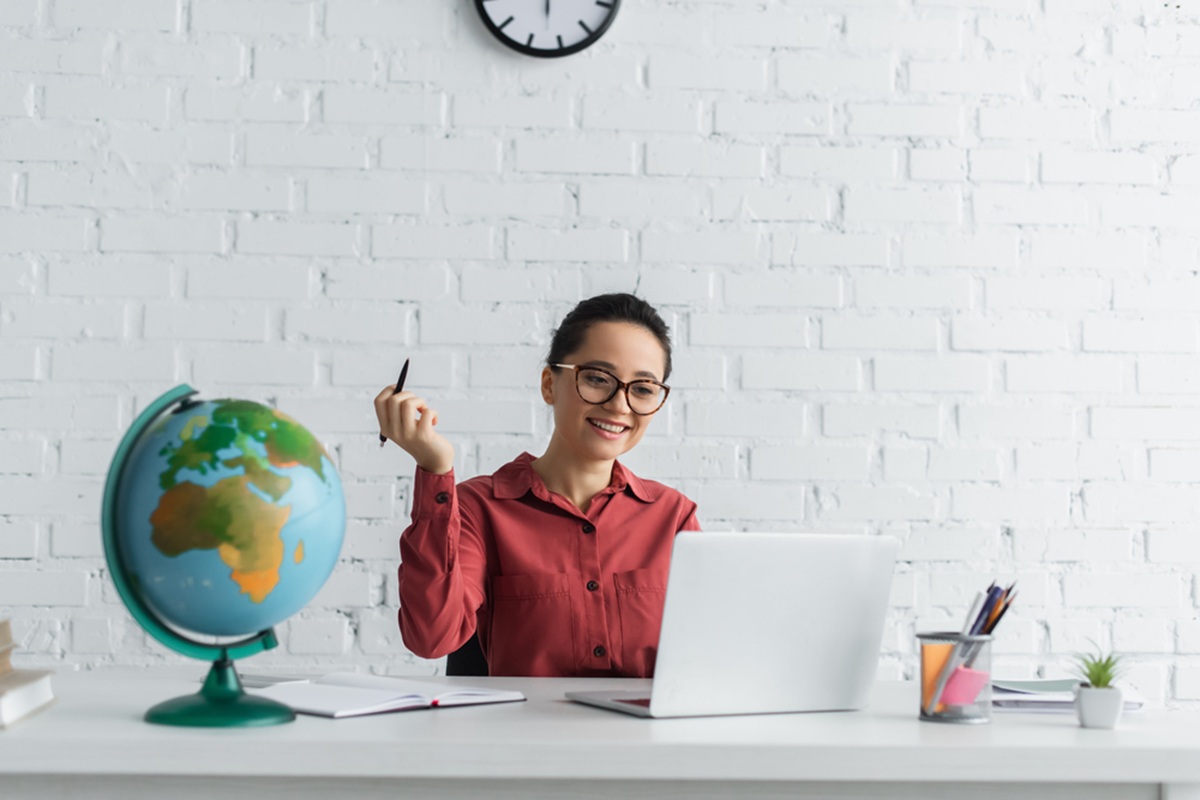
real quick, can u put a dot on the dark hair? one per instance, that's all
(617, 307)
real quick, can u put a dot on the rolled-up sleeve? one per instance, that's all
(690, 521)
(441, 569)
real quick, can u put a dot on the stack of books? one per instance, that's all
(1048, 696)
(22, 691)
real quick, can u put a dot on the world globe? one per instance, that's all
(222, 518)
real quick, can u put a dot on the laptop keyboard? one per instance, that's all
(644, 702)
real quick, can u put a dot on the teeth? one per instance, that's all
(606, 427)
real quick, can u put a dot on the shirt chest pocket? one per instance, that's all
(533, 629)
(640, 597)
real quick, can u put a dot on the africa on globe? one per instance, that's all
(229, 517)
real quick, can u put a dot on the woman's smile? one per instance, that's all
(608, 429)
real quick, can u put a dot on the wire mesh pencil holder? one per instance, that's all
(956, 677)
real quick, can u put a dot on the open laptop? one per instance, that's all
(762, 623)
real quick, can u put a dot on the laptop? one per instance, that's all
(765, 623)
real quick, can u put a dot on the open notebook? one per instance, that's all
(350, 694)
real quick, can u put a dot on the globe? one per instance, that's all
(222, 519)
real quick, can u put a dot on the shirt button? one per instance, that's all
(442, 497)
(589, 527)
(592, 586)
(598, 650)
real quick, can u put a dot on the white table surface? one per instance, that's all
(96, 730)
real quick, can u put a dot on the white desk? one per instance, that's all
(93, 744)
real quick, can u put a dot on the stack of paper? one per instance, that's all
(1054, 696)
(22, 691)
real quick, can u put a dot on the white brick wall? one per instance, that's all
(929, 263)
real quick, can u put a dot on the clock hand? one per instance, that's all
(547, 12)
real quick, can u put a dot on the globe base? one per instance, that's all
(220, 703)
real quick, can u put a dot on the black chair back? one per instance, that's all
(467, 660)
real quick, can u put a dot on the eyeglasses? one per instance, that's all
(598, 386)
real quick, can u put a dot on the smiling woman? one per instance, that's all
(558, 563)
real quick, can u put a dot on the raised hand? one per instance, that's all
(408, 421)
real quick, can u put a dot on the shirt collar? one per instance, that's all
(518, 476)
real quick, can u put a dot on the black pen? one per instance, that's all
(399, 389)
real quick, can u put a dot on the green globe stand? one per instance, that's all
(221, 702)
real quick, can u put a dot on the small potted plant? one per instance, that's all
(1097, 702)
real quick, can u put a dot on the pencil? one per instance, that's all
(1000, 616)
(399, 389)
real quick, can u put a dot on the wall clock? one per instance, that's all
(548, 28)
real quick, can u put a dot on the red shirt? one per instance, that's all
(550, 590)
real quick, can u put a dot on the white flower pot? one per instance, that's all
(1098, 708)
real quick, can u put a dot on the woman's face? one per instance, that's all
(604, 432)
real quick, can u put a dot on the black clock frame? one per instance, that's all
(591, 39)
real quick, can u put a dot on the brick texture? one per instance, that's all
(930, 268)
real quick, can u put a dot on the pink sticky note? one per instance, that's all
(964, 686)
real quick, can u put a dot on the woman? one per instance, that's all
(559, 562)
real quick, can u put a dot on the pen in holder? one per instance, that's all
(956, 673)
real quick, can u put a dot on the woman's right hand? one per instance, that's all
(409, 421)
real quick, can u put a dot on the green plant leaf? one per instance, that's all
(1098, 669)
